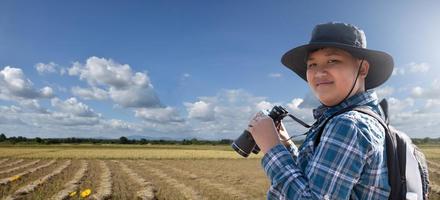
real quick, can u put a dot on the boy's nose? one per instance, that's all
(320, 72)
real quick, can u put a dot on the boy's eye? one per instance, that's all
(333, 61)
(311, 65)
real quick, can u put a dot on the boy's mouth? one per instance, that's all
(319, 83)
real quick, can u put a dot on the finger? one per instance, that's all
(278, 125)
(258, 116)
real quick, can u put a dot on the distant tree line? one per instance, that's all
(121, 140)
(143, 141)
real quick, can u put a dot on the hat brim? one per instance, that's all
(381, 63)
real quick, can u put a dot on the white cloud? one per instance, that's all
(384, 91)
(136, 97)
(309, 101)
(14, 85)
(11, 121)
(226, 114)
(418, 67)
(397, 106)
(121, 125)
(296, 108)
(161, 115)
(264, 105)
(398, 71)
(411, 68)
(124, 87)
(32, 105)
(73, 106)
(200, 110)
(101, 71)
(10, 109)
(46, 68)
(94, 93)
(46, 92)
(432, 92)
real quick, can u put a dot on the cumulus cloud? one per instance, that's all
(121, 125)
(10, 109)
(161, 115)
(43, 68)
(32, 105)
(418, 67)
(76, 119)
(384, 91)
(398, 71)
(432, 92)
(397, 106)
(14, 85)
(296, 107)
(93, 93)
(309, 101)
(226, 114)
(411, 68)
(73, 106)
(200, 110)
(136, 97)
(264, 105)
(124, 87)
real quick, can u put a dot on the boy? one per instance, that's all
(349, 162)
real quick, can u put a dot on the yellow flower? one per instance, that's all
(86, 193)
(14, 178)
(72, 194)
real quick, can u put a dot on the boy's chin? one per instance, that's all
(328, 101)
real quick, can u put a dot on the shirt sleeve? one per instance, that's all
(332, 172)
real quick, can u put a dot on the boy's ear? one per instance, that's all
(364, 68)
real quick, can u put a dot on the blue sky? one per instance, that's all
(195, 68)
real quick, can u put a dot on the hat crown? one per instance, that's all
(342, 33)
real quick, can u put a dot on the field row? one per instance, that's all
(131, 179)
(118, 153)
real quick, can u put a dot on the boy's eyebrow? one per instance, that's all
(333, 52)
(329, 53)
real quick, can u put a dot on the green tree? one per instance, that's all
(3, 137)
(123, 140)
(39, 140)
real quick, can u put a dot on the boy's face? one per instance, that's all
(331, 73)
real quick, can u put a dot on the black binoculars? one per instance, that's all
(245, 143)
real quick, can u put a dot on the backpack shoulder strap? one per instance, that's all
(396, 156)
(395, 150)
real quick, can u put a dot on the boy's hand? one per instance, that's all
(264, 132)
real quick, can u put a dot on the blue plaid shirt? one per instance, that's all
(348, 163)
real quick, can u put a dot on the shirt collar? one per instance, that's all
(357, 99)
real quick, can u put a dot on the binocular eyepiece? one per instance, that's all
(245, 143)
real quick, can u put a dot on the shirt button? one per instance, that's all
(326, 197)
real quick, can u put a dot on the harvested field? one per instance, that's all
(141, 173)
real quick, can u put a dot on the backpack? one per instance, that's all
(402, 157)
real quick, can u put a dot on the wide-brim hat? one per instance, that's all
(346, 37)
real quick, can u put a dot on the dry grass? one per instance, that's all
(143, 173)
(145, 190)
(104, 190)
(32, 186)
(72, 185)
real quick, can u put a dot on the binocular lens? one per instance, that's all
(245, 144)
